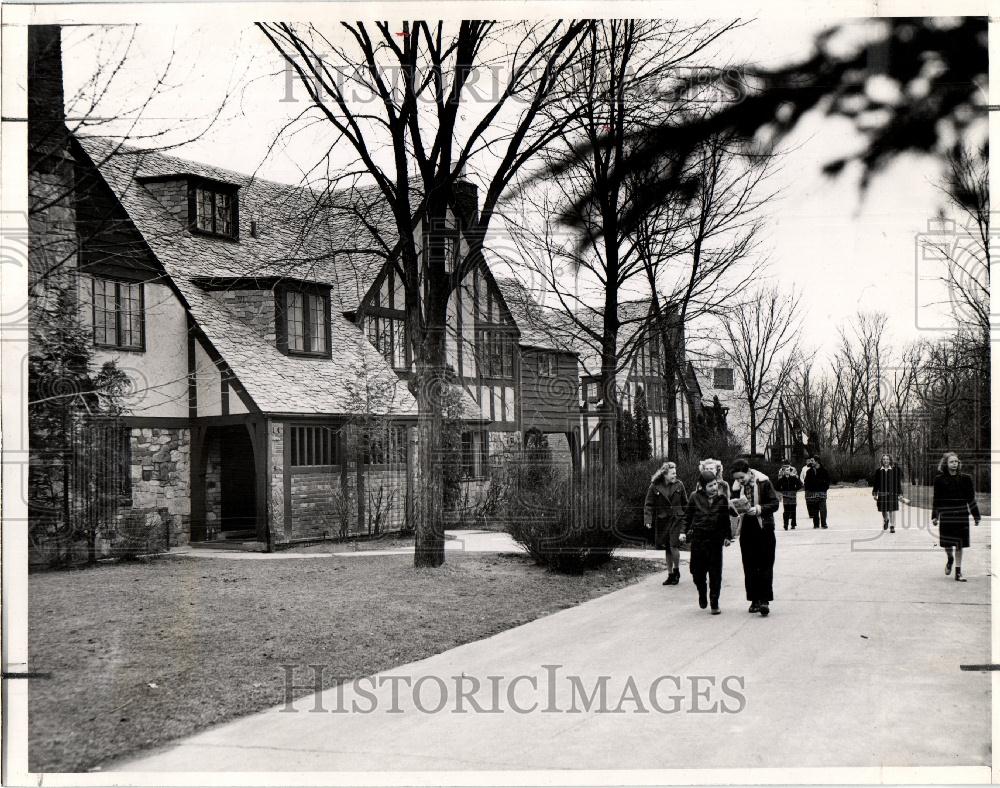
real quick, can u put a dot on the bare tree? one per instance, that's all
(762, 336)
(421, 127)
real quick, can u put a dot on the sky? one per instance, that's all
(843, 249)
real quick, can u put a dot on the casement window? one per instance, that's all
(312, 446)
(303, 322)
(724, 378)
(118, 316)
(214, 210)
(388, 335)
(546, 365)
(496, 353)
(590, 391)
(475, 454)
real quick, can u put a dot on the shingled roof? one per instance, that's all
(285, 246)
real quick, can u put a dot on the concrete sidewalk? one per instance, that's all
(859, 664)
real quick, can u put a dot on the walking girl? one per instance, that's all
(788, 485)
(757, 502)
(954, 500)
(664, 508)
(707, 530)
(887, 487)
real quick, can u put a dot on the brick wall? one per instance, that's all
(324, 509)
(161, 479)
(253, 307)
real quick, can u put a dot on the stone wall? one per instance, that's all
(280, 530)
(161, 479)
(172, 195)
(213, 485)
(253, 307)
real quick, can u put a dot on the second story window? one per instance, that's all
(546, 365)
(388, 334)
(214, 210)
(118, 314)
(303, 322)
(723, 378)
(496, 353)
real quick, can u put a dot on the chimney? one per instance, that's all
(46, 113)
(466, 195)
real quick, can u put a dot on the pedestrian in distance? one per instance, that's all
(664, 509)
(954, 500)
(707, 531)
(788, 485)
(816, 483)
(757, 502)
(887, 489)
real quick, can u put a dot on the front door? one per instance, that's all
(238, 482)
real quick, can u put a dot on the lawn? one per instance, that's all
(922, 495)
(139, 654)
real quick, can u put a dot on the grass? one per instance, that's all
(387, 542)
(139, 654)
(921, 495)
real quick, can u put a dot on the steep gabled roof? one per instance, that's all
(284, 246)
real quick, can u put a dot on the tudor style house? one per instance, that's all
(268, 357)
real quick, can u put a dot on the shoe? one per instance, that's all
(815, 526)
(822, 526)
(947, 566)
(669, 580)
(786, 527)
(885, 526)
(715, 610)
(702, 599)
(675, 577)
(754, 607)
(793, 526)
(958, 574)
(892, 530)
(764, 609)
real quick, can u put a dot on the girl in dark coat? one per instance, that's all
(707, 530)
(887, 486)
(954, 501)
(664, 508)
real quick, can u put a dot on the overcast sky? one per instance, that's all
(843, 249)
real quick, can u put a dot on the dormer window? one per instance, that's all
(303, 320)
(213, 208)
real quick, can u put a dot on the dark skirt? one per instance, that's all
(887, 502)
(668, 531)
(954, 528)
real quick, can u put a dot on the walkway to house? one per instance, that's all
(468, 540)
(860, 664)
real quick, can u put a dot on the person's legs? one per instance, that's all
(715, 576)
(699, 568)
(765, 566)
(813, 511)
(675, 556)
(749, 538)
(822, 512)
(958, 563)
(892, 521)
(951, 558)
(791, 513)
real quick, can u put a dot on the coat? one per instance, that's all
(759, 492)
(664, 509)
(954, 500)
(816, 482)
(789, 486)
(706, 520)
(887, 486)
